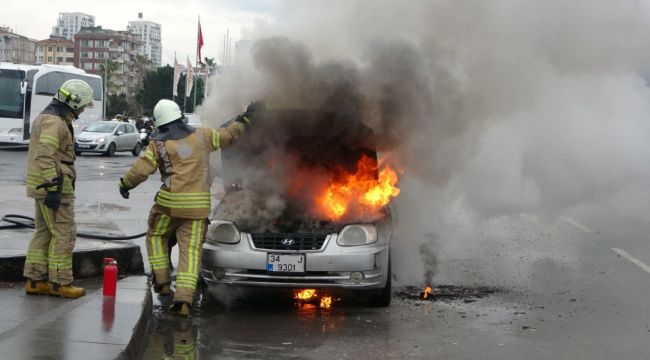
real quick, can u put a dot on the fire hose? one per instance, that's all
(22, 221)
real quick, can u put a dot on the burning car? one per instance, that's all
(305, 205)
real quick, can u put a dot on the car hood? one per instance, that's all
(275, 175)
(92, 135)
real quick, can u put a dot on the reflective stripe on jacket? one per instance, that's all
(51, 151)
(184, 169)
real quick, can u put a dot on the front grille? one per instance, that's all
(300, 241)
(84, 140)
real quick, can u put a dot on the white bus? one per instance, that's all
(25, 90)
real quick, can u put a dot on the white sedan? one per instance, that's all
(108, 137)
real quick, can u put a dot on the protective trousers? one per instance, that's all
(49, 256)
(189, 234)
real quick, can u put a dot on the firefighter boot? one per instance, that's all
(36, 287)
(162, 290)
(180, 309)
(67, 291)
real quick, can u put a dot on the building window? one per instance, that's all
(49, 59)
(85, 43)
(69, 59)
(59, 59)
(59, 49)
(88, 66)
(39, 49)
(84, 55)
(101, 55)
(49, 49)
(70, 50)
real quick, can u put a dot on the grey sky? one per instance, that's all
(35, 19)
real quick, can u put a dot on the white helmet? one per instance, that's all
(165, 112)
(76, 94)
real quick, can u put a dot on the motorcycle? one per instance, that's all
(145, 137)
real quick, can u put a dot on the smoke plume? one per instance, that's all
(506, 117)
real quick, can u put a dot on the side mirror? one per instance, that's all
(120, 133)
(23, 87)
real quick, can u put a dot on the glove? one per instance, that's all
(52, 200)
(124, 190)
(53, 196)
(252, 112)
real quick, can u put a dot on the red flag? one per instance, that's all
(199, 42)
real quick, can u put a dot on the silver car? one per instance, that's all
(108, 137)
(262, 235)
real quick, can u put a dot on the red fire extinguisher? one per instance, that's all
(110, 276)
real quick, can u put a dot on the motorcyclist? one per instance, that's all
(181, 154)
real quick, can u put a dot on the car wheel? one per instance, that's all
(136, 149)
(111, 150)
(382, 297)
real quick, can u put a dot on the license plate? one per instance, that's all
(83, 146)
(286, 263)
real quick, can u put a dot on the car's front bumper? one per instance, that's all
(330, 267)
(90, 147)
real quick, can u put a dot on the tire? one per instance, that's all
(136, 150)
(111, 150)
(382, 297)
(77, 152)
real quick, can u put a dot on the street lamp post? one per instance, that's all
(105, 89)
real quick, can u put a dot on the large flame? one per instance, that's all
(361, 189)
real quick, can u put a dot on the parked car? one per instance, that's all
(108, 137)
(265, 231)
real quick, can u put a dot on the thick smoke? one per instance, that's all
(506, 117)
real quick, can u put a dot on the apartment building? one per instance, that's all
(58, 51)
(94, 45)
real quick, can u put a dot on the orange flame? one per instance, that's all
(427, 291)
(326, 302)
(361, 189)
(305, 294)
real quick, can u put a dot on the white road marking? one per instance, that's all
(578, 225)
(632, 259)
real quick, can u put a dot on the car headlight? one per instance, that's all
(222, 232)
(101, 139)
(355, 235)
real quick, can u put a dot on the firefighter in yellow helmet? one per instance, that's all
(182, 204)
(50, 181)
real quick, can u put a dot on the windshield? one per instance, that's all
(11, 100)
(100, 128)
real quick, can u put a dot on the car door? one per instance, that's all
(133, 136)
(120, 140)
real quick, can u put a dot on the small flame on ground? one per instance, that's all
(305, 294)
(426, 292)
(326, 302)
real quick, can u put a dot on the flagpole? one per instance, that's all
(174, 97)
(196, 61)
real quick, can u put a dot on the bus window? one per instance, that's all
(50, 83)
(11, 100)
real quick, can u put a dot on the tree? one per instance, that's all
(156, 85)
(107, 69)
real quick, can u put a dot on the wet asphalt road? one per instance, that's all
(594, 306)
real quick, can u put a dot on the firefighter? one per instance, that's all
(50, 181)
(182, 204)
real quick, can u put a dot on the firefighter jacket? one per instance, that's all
(184, 168)
(51, 151)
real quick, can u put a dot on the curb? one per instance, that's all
(135, 347)
(85, 263)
